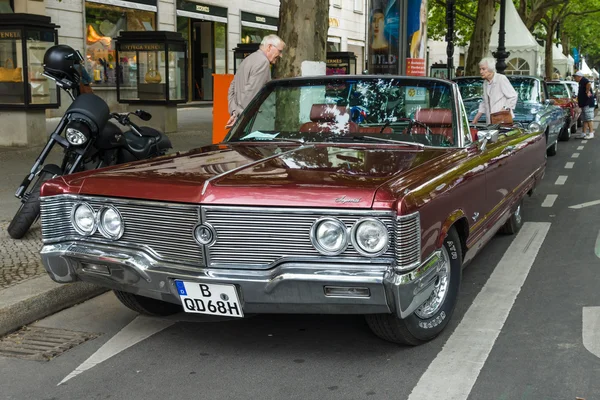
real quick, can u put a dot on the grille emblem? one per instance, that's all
(204, 234)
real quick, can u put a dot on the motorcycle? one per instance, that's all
(90, 141)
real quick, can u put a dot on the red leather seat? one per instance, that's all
(375, 130)
(328, 118)
(439, 120)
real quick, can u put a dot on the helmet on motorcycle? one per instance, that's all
(60, 61)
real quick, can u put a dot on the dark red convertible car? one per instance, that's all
(332, 195)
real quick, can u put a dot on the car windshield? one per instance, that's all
(470, 88)
(557, 91)
(419, 111)
(528, 89)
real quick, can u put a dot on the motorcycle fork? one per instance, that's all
(37, 165)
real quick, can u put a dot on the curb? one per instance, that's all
(40, 297)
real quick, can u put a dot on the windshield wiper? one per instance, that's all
(370, 139)
(254, 140)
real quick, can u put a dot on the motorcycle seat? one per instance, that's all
(141, 147)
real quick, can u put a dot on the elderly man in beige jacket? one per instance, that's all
(253, 74)
(498, 93)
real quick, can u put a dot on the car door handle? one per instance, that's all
(508, 149)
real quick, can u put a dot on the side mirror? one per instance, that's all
(484, 137)
(143, 115)
(550, 102)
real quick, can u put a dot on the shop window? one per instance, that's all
(6, 7)
(254, 35)
(103, 25)
(517, 66)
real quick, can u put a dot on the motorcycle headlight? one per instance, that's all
(534, 127)
(370, 237)
(110, 223)
(77, 133)
(329, 236)
(83, 219)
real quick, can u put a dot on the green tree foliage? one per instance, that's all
(464, 23)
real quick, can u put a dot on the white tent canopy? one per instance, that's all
(585, 69)
(525, 53)
(562, 63)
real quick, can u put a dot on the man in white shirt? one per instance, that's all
(498, 93)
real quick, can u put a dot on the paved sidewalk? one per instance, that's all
(26, 291)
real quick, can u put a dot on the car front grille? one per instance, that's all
(247, 237)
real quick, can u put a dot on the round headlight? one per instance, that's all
(78, 133)
(370, 237)
(110, 223)
(534, 127)
(329, 236)
(83, 219)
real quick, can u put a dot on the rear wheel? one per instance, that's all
(565, 133)
(29, 210)
(515, 222)
(433, 315)
(147, 305)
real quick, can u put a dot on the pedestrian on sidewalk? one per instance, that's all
(253, 74)
(586, 103)
(498, 93)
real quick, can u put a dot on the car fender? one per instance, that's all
(450, 221)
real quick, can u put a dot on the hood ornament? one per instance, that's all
(346, 200)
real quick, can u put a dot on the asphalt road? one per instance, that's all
(527, 326)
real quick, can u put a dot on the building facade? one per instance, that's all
(212, 29)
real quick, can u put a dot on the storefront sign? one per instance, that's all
(142, 47)
(334, 22)
(259, 21)
(10, 35)
(204, 12)
(415, 67)
(145, 5)
(384, 32)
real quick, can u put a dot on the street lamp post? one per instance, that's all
(450, 37)
(501, 54)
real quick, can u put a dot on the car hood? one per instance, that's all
(525, 112)
(241, 174)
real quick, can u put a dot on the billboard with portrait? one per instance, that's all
(384, 37)
(417, 37)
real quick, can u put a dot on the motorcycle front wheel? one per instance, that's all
(29, 210)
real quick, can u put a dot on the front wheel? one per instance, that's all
(29, 210)
(147, 305)
(433, 315)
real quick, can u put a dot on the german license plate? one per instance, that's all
(209, 298)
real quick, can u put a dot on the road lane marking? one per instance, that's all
(549, 200)
(454, 371)
(580, 147)
(561, 180)
(569, 165)
(583, 141)
(583, 205)
(597, 246)
(137, 330)
(590, 330)
(575, 155)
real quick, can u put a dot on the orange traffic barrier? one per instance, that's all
(220, 109)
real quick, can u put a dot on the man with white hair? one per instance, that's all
(254, 72)
(498, 93)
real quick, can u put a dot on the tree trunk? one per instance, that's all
(564, 39)
(303, 26)
(549, 68)
(480, 41)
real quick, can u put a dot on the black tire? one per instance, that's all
(552, 149)
(147, 305)
(422, 326)
(579, 122)
(565, 133)
(574, 128)
(515, 222)
(29, 211)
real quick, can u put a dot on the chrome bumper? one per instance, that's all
(290, 287)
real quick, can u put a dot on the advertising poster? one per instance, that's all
(384, 37)
(417, 37)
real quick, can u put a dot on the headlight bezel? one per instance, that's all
(101, 226)
(356, 243)
(79, 129)
(316, 241)
(76, 226)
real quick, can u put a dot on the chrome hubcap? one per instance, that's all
(433, 304)
(518, 215)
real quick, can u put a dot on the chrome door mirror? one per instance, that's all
(483, 137)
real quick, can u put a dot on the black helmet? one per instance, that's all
(59, 62)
